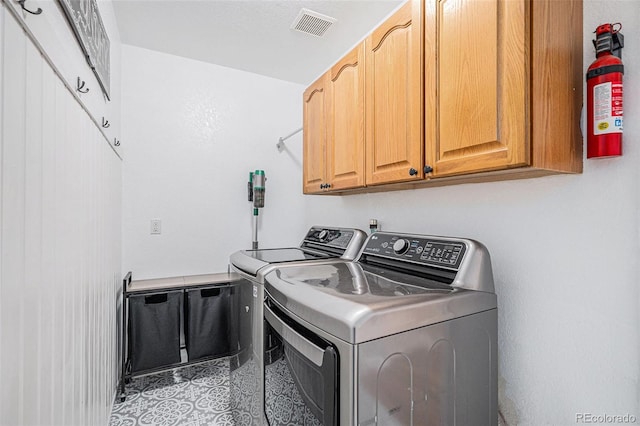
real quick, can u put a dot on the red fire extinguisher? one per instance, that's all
(604, 94)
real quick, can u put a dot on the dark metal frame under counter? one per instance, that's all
(169, 323)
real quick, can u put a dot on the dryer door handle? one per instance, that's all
(293, 338)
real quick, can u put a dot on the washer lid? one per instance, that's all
(357, 303)
(320, 243)
(251, 261)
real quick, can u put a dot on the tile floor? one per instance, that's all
(190, 396)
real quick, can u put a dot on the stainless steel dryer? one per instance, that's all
(406, 335)
(321, 244)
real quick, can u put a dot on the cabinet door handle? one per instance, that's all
(322, 186)
(328, 186)
(428, 169)
(412, 172)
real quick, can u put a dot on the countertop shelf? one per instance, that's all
(155, 284)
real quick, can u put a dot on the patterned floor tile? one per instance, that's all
(196, 395)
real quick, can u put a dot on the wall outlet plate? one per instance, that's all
(156, 226)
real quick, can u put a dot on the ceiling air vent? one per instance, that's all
(310, 22)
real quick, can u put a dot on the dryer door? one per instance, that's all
(301, 371)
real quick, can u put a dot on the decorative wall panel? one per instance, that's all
(60, 218)
(84, 17)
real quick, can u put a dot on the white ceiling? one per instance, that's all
(252, 36)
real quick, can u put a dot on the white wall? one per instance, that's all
(60, 221)
(193, 133)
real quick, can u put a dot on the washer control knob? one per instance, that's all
(322, 236)
(401, 246)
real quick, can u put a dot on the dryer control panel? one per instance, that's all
(330, 236)
(444, 253)
(339, 242)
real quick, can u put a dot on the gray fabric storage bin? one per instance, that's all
(154, 330)
(208, 328)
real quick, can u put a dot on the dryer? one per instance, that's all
(405, 335)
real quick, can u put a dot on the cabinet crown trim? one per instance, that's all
(313, 93)
(345, 66)
(392, 29)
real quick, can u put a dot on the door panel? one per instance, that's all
(315, 136)
(481, 73)
(394, 98)
(345, 141)
(471, 74)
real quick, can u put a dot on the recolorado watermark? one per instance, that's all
(605, 418)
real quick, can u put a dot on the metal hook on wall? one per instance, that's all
(105, 123)
(37, 12)
(116, 142)
(80, 86)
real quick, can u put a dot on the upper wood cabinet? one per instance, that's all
(498, 73)
(394, 143)
(455, 91)
(315, 136)
(334, 127)
(345, 135)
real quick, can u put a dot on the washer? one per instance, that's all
(405, 335)
(320, 245)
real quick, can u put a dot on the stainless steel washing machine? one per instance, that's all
(405, 335)
(320, 244)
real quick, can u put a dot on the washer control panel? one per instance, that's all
(425, 250)
(333, 237)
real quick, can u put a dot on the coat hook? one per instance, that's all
(37, 12)
(116, 142)
(105, 123)
(80, 86)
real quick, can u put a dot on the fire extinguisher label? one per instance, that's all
(607, 108)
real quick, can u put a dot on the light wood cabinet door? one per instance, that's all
(315, 136)
(394, 143)
(476, 88)
(345, 135)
